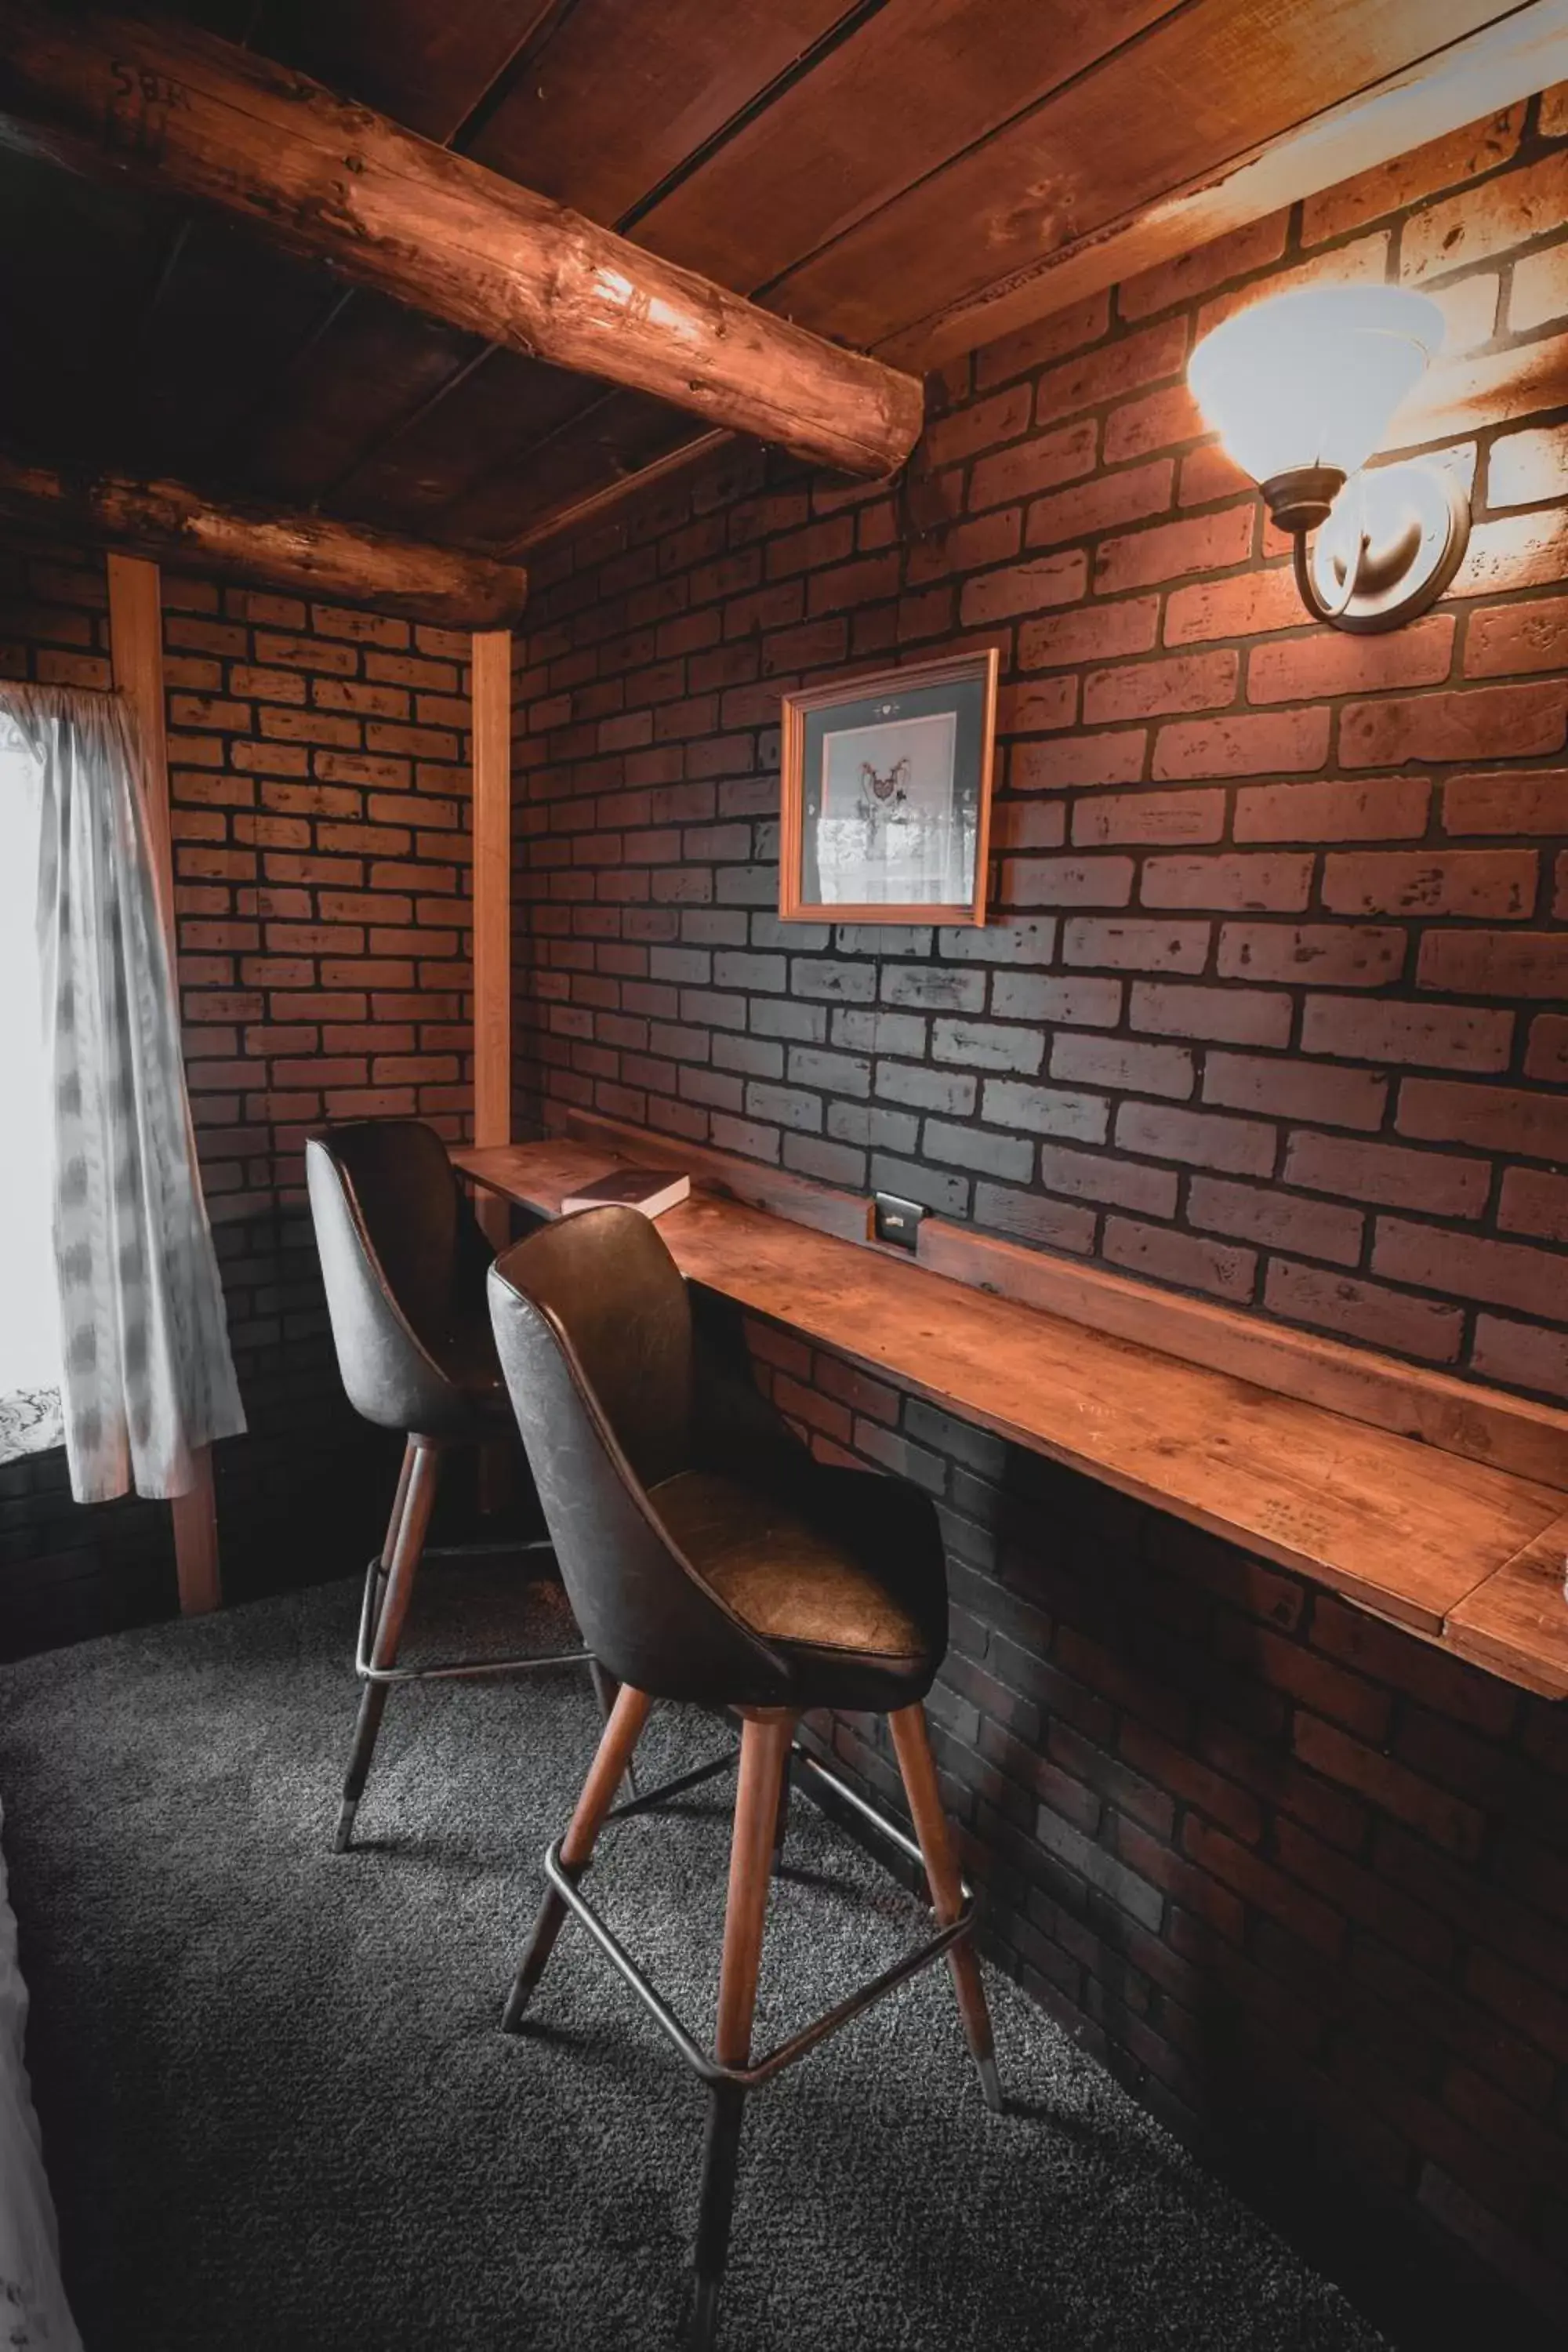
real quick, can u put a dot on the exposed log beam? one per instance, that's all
(262, 545)
(1522, 52)
(189, 115)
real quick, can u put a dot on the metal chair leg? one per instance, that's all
(764, 1755)
(721, 2163)
(405, 1543)
(912, 1743)
(628, 1716)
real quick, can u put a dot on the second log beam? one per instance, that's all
(266, 546)
(192, 116)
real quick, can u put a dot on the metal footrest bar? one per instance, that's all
(693, 1779)
(455, 1669)
(703, 2063)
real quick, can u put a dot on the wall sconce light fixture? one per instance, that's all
(1301, 389)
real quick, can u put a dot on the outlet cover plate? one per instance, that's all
(895, 1220)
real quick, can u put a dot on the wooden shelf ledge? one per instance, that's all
(1462, 1551)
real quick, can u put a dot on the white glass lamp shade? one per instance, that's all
(1311, 379)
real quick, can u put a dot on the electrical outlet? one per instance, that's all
(896, 1220)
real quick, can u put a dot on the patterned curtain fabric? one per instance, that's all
(147, 1374)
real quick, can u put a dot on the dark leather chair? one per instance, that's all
(708, 1558)
(403, 1262)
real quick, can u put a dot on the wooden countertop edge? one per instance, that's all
(1463, 1417)
(1484, 1626)
(1515, 1621)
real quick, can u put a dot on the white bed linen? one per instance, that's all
(33, 2315)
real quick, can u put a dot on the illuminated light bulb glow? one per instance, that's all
(1311, 379)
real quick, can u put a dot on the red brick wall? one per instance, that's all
(1268, 1009)
(318, 782)
(1268, 1005)
(318, 789)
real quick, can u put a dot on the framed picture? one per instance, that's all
(887, 795)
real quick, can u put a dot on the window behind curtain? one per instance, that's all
(29, 1304)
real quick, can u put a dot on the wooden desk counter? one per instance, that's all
(1413, 1533)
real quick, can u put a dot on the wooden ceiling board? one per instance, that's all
(917, 84)
(426, 67)
(425, 62)
(472, 432)
(367, 371)
(618, 96)
(78, 263)
(616, 435)
(599, 142)
(210, 335)
(1203, 86)
(1488, 71)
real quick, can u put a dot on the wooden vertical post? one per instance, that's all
(491, 715)
(136, 647)
(492, 894)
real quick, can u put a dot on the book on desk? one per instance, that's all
(650, 1190)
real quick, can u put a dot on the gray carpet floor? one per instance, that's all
(279, 2117)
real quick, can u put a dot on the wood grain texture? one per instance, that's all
(136, 649)
(263, 547)
(180, 111)
(1410, 1530)
(198, 1566)
(616, 1747)
(1457, 1416)
(765, 1737)
(492, 885)
(1493, 68)
(912, 1745)
(1484, 1425)
(798, 1198)
(1202, 90)
(656, 83)
(136, 653)
(1516, 1621)
(913, 87)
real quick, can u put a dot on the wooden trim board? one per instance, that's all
(1484, 1425)
(491, 715)
(136, 650)
(1408, 1530)
(1519, 52)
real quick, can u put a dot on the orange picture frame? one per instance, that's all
(884, 706)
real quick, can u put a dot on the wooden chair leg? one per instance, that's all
(605, 1689)
(624, 1730)
(400, 1559)
(395, 1521)
(913, 1745)
(765, 1739)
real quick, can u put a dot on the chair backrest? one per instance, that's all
(393, 1233)
(592, 1326)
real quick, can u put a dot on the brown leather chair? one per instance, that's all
(709, 1557)
(403, 1262)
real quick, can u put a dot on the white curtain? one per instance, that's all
(146, 1373)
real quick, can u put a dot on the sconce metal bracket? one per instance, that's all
(1397, 537)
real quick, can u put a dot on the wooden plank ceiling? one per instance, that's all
(888, 173)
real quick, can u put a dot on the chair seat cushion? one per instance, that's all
(811, 1580)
